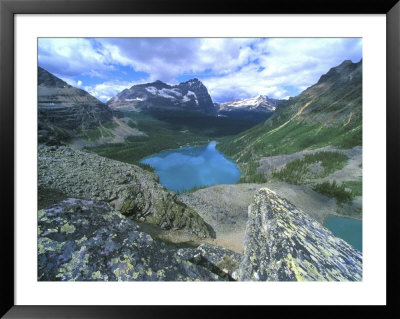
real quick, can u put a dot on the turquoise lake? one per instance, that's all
(346, 228)
(193, 166)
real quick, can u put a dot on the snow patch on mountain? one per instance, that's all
(187, 98)
(135, 99)
(166, 93)
(260, 103)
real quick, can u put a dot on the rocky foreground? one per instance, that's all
(96, 237)
(80, 240)
(129, 189)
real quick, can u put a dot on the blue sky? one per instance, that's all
(231, 68)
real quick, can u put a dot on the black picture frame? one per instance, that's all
(8, 8)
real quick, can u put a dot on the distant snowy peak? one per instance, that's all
(260, 103)
(189, 95)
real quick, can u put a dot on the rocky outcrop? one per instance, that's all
(80, 240)
(128, 188)
(284, 244)
(64, 109)
(191, 95)
(84, 240)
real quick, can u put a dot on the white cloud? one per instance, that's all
(106, 90)
(282, 63)
(230, 68)
(71, 56)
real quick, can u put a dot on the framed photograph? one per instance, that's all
(166, 154)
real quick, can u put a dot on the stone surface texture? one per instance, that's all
(283, 243)
(81, 240)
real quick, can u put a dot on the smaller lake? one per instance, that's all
(193, 166)
(346, 228)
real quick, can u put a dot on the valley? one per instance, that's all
(297, 163)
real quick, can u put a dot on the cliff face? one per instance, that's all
(128, 188)
(284, 244)
(64, 109)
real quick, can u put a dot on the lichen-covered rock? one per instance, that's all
(221, 261)
(130, 189)
(80, 240)
(284, 244)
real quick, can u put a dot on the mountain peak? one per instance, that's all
(194, 81)
(260, 103)
(190, 95)
(346, 67)
(45, 78)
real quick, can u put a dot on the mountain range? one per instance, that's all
(66, 112)
(327, 113)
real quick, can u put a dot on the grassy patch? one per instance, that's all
(301, 170)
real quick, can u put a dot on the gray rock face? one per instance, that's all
(191, 95)
(80, 240)
(130, 189)
(284, 244)
(63, 108)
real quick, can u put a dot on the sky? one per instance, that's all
(230, 68)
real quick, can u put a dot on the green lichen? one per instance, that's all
(67, 228)
(96, 275)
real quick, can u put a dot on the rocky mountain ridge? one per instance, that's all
(336, 99)
(69, 115)
(327, 113)
(191, 95)
(64, 109)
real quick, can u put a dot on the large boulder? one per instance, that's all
(284, 244)
(81, 240)
(128, 188)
